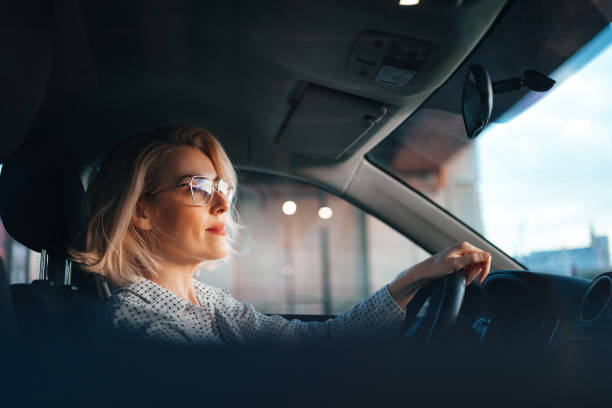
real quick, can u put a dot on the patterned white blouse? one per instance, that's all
(150, 312)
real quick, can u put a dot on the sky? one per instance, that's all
(546, 174)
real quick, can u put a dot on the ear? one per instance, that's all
(141, 218)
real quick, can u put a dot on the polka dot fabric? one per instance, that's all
(149, 311)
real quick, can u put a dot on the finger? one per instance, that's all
(470, 272)
(470, 259)
(465, 246)
(487, 269)
(468, 248)
(476, 270)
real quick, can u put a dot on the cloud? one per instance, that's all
(577, 127)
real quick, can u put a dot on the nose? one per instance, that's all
(218, 205)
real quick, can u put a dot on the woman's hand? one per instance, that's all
(475, 261)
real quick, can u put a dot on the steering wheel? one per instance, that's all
(445, 299)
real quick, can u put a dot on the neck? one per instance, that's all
(178, 279)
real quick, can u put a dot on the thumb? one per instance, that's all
(470, 259)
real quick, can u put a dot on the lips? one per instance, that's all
(218, 229)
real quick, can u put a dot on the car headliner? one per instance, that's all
(114, 68)
(87, 74)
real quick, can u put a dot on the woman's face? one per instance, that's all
(188, 233)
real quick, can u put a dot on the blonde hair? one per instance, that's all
(114, 247)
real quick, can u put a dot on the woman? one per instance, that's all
(161, 204)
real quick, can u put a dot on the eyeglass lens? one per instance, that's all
(203, 190)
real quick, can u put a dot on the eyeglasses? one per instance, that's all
(203, 189)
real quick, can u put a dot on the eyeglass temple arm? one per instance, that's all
(167, 188)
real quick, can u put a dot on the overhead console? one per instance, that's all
(387, 60)
(325, 123)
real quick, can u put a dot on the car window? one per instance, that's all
(287, 264)
(305, 251)
(535, 183)
(22, 264)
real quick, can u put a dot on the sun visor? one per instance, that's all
(325, 123)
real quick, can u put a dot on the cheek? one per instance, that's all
(181, 223)
(192, 225)
(184, 228)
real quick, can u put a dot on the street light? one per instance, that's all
(289, 207)
(325, 213)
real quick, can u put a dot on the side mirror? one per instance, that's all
(477, 100)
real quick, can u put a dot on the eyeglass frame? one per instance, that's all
(216, 182)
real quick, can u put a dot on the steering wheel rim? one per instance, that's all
(445, 300)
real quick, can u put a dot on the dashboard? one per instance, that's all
(527, 309)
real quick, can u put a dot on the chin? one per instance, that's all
(215, 255)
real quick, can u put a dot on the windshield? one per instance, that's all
(533, 183)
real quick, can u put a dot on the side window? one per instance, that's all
(305, 251)
(22, 264)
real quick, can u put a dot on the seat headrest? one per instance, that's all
(42, 200)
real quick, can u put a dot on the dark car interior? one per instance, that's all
(293, 88)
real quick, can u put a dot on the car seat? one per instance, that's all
(7, 313)
(42, 204)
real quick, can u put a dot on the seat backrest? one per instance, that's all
(33, 313)
(7, 312)
(41, 307)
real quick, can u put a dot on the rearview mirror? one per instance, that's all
(477, 101)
